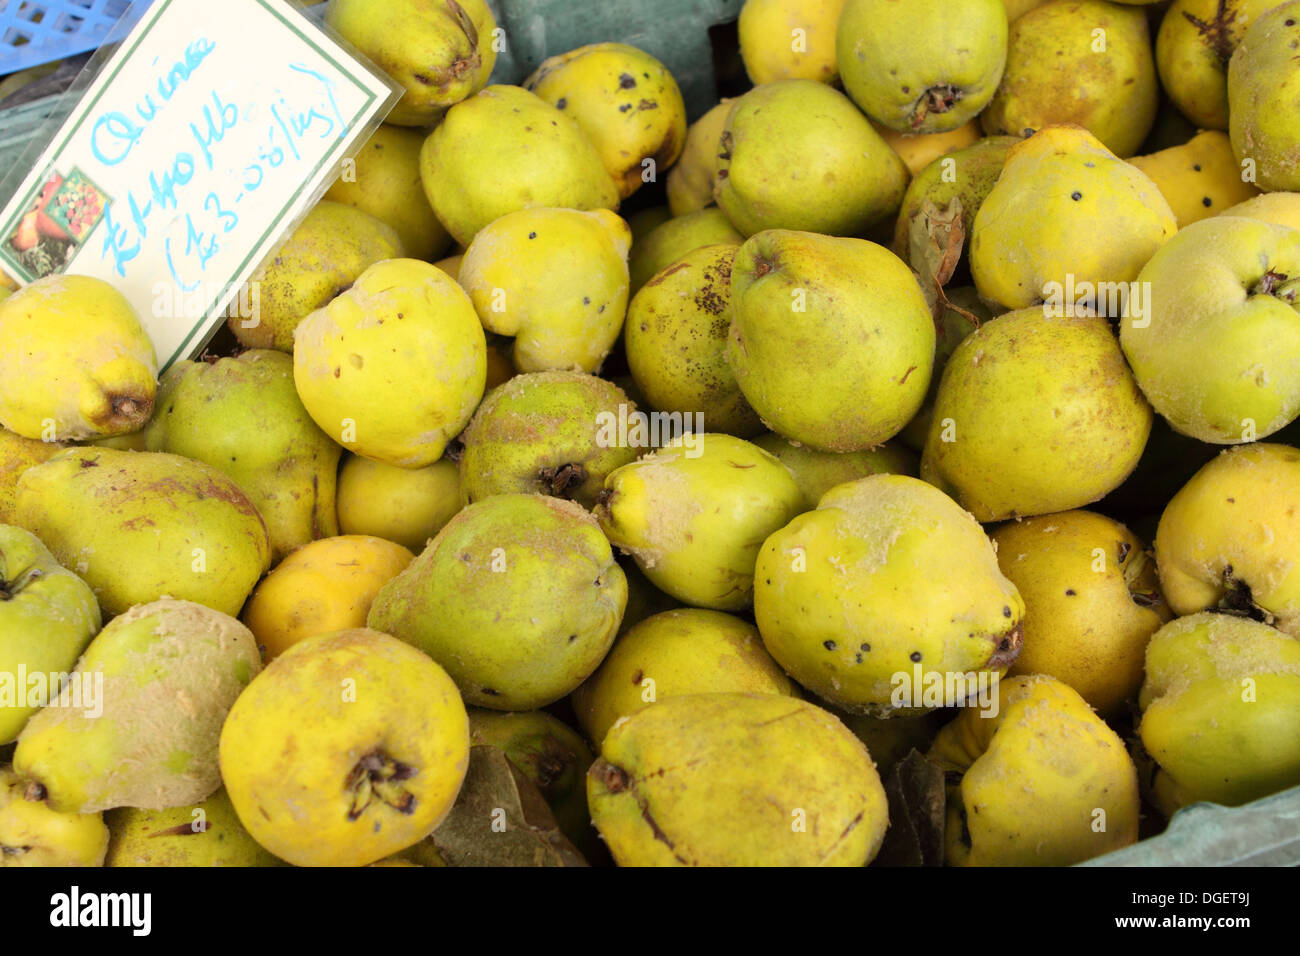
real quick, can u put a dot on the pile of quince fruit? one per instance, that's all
(515, 531)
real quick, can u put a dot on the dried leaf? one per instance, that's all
(917, 804)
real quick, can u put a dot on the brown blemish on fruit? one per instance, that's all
(1216, 32)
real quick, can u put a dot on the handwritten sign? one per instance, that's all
(210, 131)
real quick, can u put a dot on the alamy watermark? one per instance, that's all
(629, 428)
(80, 690)
(934, 689)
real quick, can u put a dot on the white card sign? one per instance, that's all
(210, 131)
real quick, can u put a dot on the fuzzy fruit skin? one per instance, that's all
(1082, 576)
(207, 834)
(189, 532)
(324, 255)
(439, 53)
(75, 361)
(386, 184)
(1282, 209)
(844, 596)
(555, 280)
(1195, 43)
(171, 670)
(292, 747)
(693, 515)
(675, 239)
(690, 181)
(969, 177)
(1264, 98)
(472, 170)
(831, 340)
(767, 37)
(1055, 74)
(243, 417)
(324, 586)
(1221, 711)
(528, 430)
(720, 780)
(624, 100)
(407, 506)
(817, 472)
(17, 454)
(1034, 778)
(47, 617)
(1028, 229)
(797, 154)
(1200, 178)
(1230, 537)
(551, 754)
(1215, 354)
(393, 368)
(31, 834)
(676, 339)
(686, 651)
(891, 55)
(548, 597)
(1067, 427)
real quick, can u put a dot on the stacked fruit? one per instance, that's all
(776, 492)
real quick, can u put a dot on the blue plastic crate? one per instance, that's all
(33, 32)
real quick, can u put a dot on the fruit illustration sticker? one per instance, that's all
(207, 134)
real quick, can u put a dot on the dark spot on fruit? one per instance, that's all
(1076, 195)
(532, 235)
(561, 103)
(1070, 592)
(626, 81)
(1197, 167)
(586, 300)
(829, 645)
(866, 647)
(625, 107)
(1232, 501)
(914, 657)
(572, 638)
(1207, 202)
(490, 692)
(857, 658)
(1006, 611)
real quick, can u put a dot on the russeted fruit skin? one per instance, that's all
(1193, 48)
(555, 280)
(1200, 178)
(736, 780)
(1264, 98)
(137, 526)
(544, 433)
(845, 600)
(676, 339)
(1231, 537)
(923, 66)
(694, 513)
(171, 671)
(348, 748)
(1092, 601)
(505, 149)
(625, 101)
(322, 257)
(547, 599)
(386, 184)
(685, 651)
(1043, 783)
(47, 617)
(206, 834)
(75, 361)
(831, 340)
(243, 417)
(797, 154)
(1057, 187)
(817, 472)
(439, 52)
(673, 240)
(551, 754)
(1060, 69)
(1220, 711)
(394, 367)
(1035, 414)
(1217, 350)
(31, 834)
(789, 39)
(691, 180)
